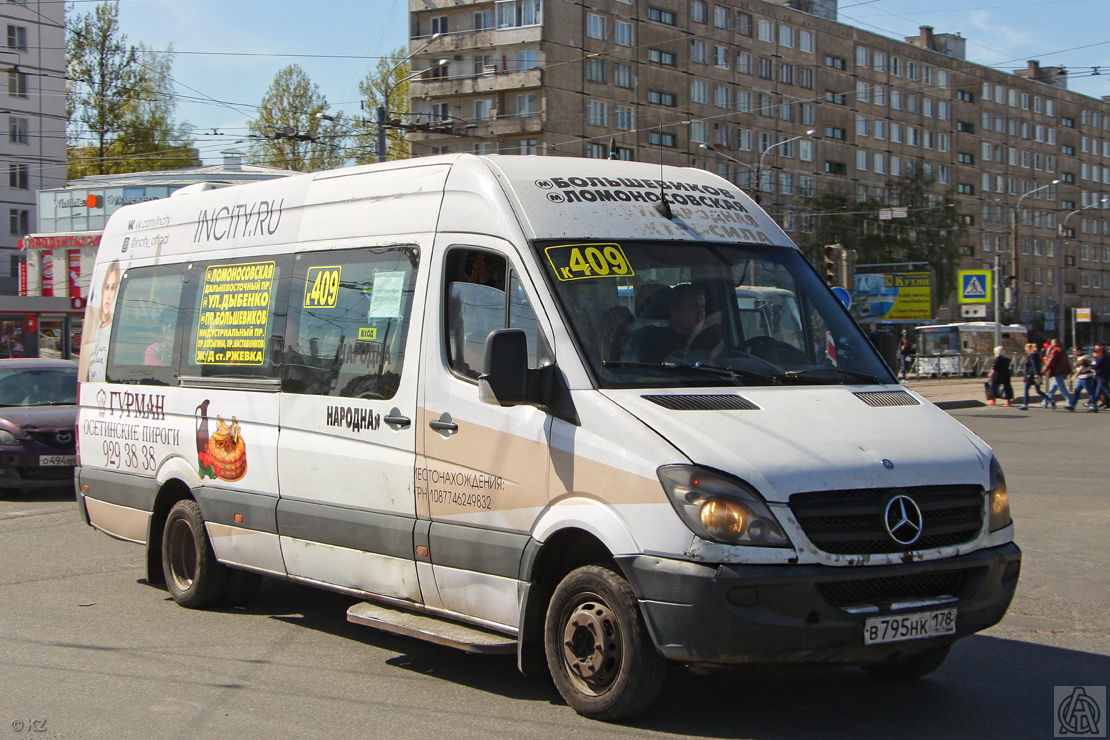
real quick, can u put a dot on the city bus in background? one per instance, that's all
(965, 348)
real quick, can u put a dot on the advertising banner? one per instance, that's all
(47, 273)
(894, 297)
(73, 257)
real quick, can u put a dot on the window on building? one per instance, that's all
(965, 188)
(595, 26)
(722, 96)
(805, 77)
(699, 91)
(786, 36)
(805, 42)
(597, 113)
(721, 17)
(527, 104)
(595, 70)
(516, 13)
(483, 20)
(721, 57)
(765, 31)
(766, 69)
(483, 109)
(17, 130)
(836, 98)
(622, 33)
(744, 24)
(19, 222)
(19, 176)
(17, 83)
(623, 118)
(659, 138)
(658, 97)
(699, 52)
(659, 57)
(965, 158)
(17, 38)
(965, 127)
(698, 11)
(835, 168)
(744, 63)
(623, 76)
(835, 62)
(834, 132)
(597, 151)
(662, 16)
(786, 74)
(439, 24)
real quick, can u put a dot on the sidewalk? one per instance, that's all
(966, 393)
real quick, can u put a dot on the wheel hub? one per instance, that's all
(591, 643)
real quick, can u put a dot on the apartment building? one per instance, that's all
(780, 98)
(34, 149)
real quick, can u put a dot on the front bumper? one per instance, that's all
(21, 469)
(729, 614)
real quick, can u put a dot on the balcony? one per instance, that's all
(460, 41)
(493, 81)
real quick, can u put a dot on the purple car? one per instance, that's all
(38, 412)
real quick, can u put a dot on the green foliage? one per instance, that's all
(384, 83)
(120, 101)
(288, 132)
(931, 232)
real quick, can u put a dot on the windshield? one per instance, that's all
(38, 387)
(660, 314)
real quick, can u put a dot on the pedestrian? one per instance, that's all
(1102, 376)
(907, 351)
(1084, 380)
(1076, 356)
(1000, 377)
(1031, 369)
(1056, 370)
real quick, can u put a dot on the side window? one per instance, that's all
(483, 293)
(349, 315)
(145, 346)
(235, 320)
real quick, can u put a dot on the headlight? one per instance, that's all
(720, 508)
(7, 438)
(999, 499)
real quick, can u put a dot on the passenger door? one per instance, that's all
(481, 475)
(348, 408)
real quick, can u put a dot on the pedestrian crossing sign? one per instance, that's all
(975, 286)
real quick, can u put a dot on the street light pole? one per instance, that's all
(728, 157)
(1061, 263)
(763, 155)
(385, 100)
(382, 112)
(1014, 247)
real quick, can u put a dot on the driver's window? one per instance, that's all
(483, 293)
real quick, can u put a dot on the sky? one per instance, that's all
(228, 51)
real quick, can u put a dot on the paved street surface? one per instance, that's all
(91, 651)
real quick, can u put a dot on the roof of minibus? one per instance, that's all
(545, 197)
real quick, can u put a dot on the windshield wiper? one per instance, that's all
(830, 369)
(714, 370)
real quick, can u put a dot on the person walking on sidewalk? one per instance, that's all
(1084, 380)
(1032, 371)
(1056, 370)
(1000, 377)
(1102, 376)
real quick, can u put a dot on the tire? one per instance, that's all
(914, 666)
(614, 678)
(193, 576)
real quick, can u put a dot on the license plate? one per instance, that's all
(55, 460)
(909, 626)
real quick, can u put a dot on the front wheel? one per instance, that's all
(598, 650)
(915, 666)
(193, 575)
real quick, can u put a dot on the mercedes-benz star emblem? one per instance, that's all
(903, 520)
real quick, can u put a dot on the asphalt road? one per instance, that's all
(87, 650)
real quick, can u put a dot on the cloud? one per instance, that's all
(995, 42)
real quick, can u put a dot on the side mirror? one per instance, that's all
(887, 346)
(505, 380)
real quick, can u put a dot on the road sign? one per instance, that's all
(973, 311)
(975, 286)
(844, 296)
(1082, 315)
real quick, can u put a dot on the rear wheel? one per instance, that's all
(914, 666)
(598, 650)
(193, 575)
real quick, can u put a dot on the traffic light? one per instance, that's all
(833, 254)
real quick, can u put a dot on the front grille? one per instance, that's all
(704, 402)
(887, 398)
(893, 588)
(851, 521)
(50, 439)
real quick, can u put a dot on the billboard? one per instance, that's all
(894, 297)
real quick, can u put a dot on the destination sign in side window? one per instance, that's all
(348, 322)
(233, 323)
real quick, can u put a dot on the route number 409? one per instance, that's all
(577, 261)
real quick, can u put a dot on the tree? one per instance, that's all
(384, 84)
(102, 75)
(930, 233)
(120, 101)
(289, 131)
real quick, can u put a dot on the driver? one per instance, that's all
(687, 320)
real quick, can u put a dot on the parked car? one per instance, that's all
(38, 415)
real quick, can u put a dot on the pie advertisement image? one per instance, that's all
(221, 453)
